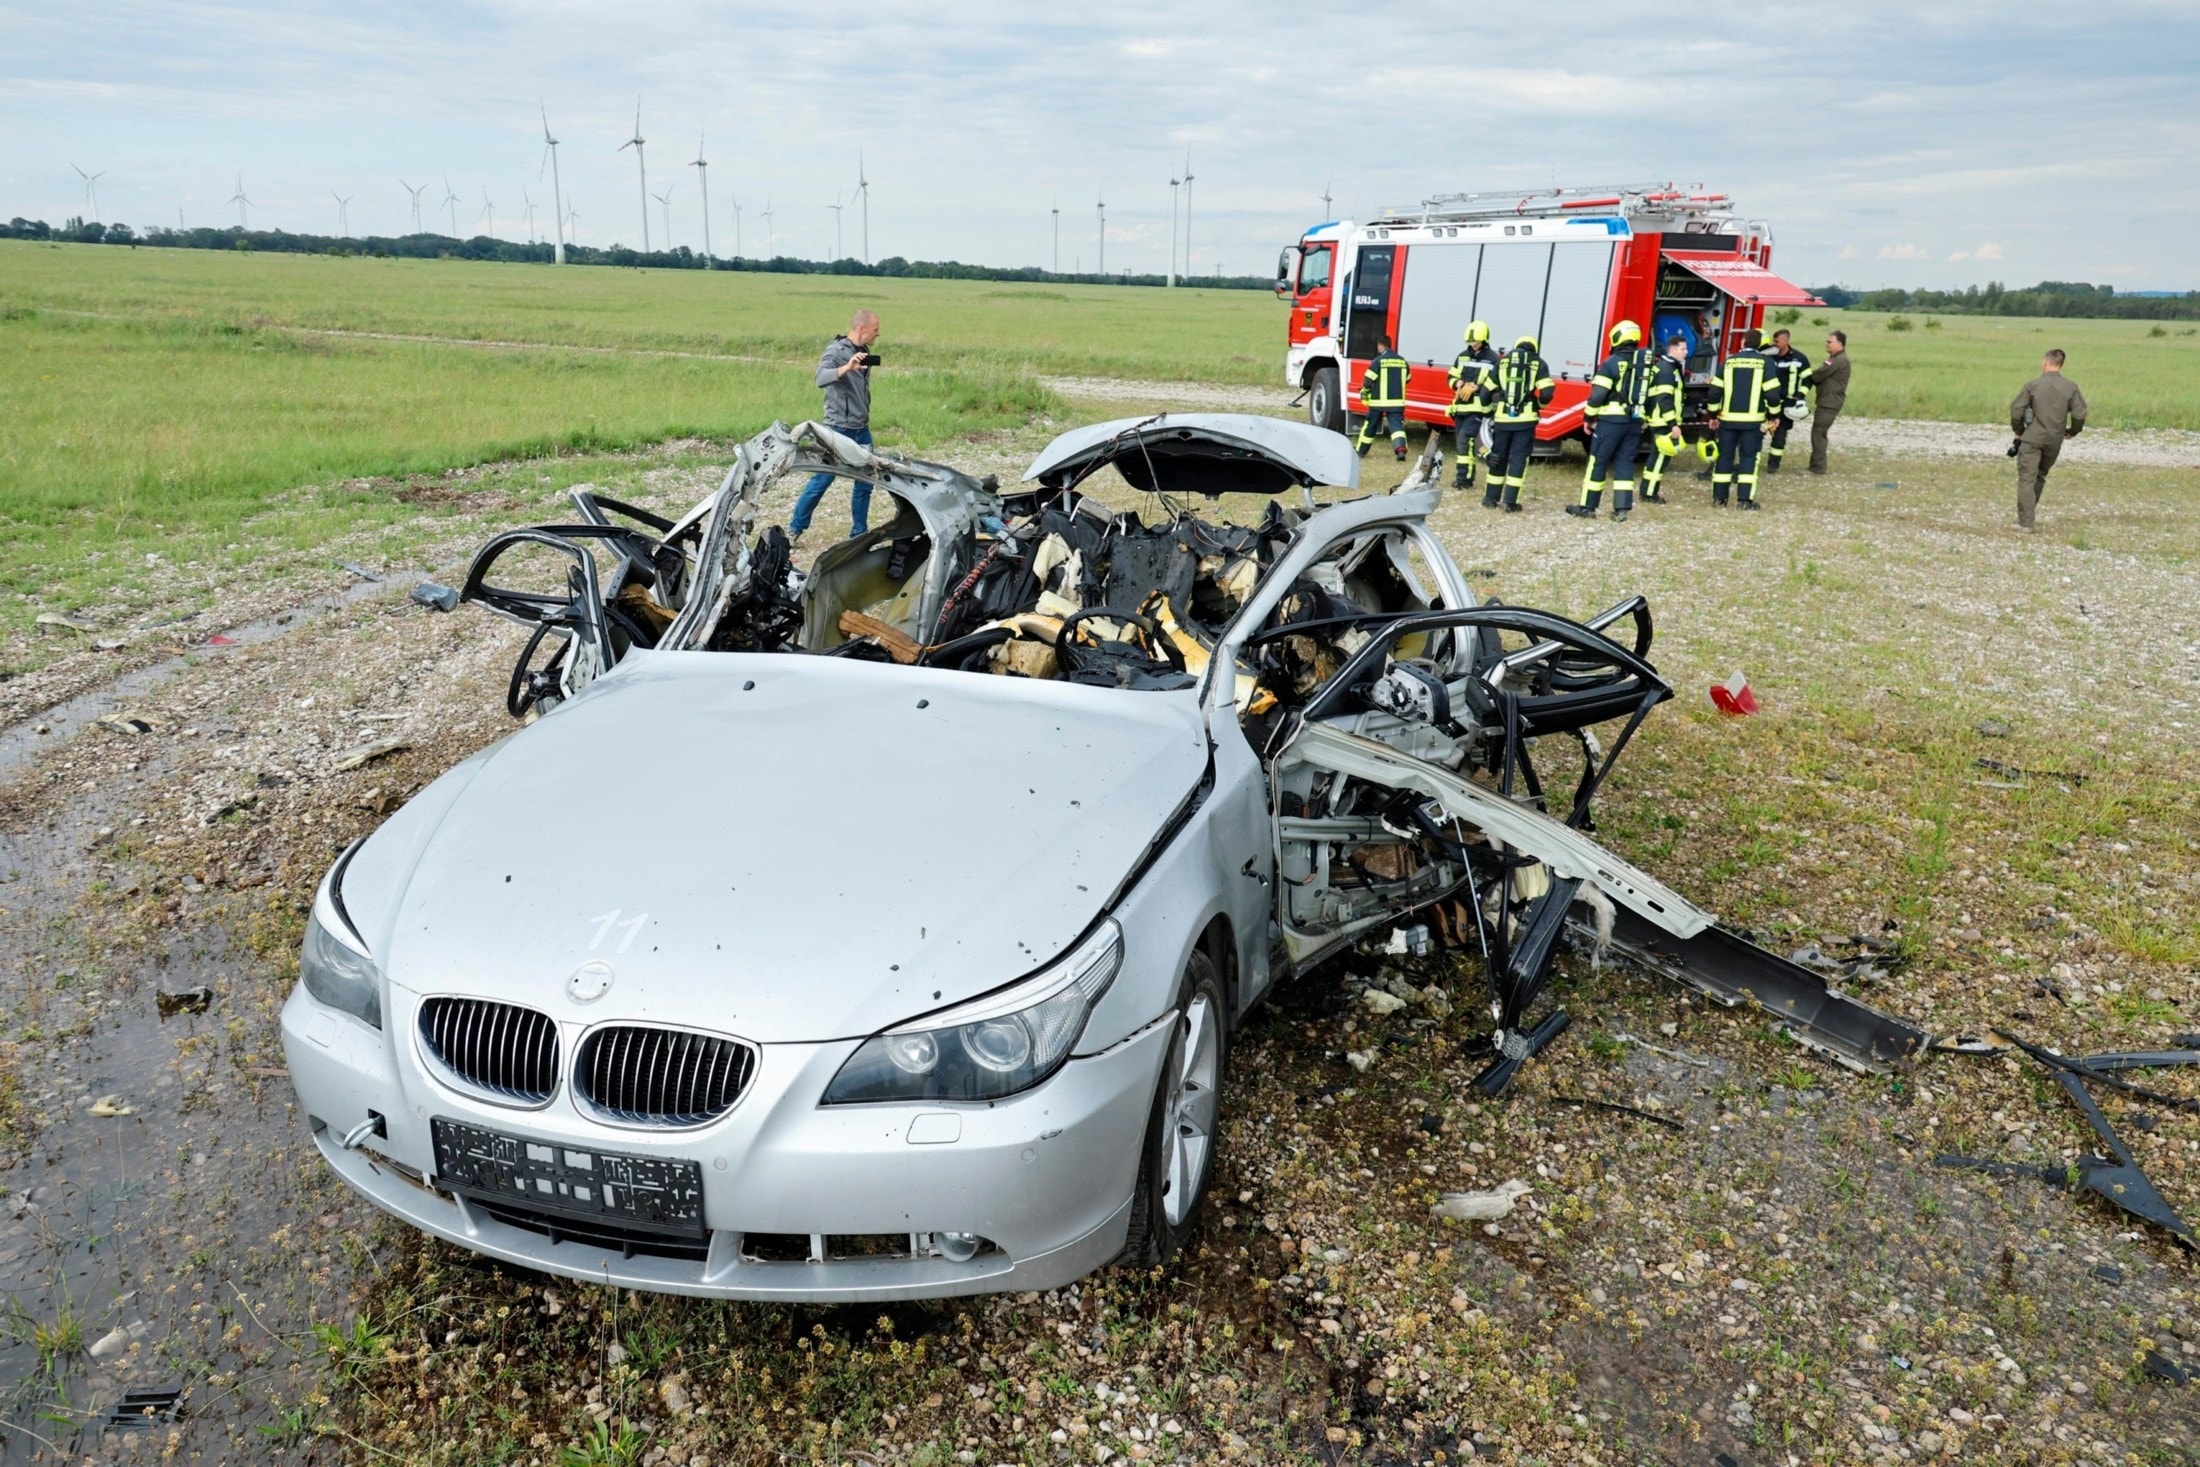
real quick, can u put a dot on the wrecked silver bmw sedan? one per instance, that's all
(880, 932)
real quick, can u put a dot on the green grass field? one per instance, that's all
(155, 401)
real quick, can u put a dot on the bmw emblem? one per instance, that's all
(590, 981)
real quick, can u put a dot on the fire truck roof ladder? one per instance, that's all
(1628, 201)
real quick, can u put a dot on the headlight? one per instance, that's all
(994, 1046)
(334, 965)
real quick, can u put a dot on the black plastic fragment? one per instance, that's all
(1626, 1110)
(2117, 1176)
(2161, 1367)
(435, 597)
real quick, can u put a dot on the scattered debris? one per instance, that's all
(108, 1107)
(191, 1001)
(235, 807)
(367, 753)
(1361, 1059)
(65, 621)
(142, 1410)
(111, 644)
(1489, 1206)
(360, 571)
(1382, 1000)
(2116, 1176)
(435, 597)
(219, 640)
(1733, 696)
(1672, 1054)
(126, 723)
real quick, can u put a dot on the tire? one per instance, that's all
(1178, 1158)
(1324, 403)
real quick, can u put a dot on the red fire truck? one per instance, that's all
(1562, 266)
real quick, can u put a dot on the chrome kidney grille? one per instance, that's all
(506, 1052)
(643, 1076)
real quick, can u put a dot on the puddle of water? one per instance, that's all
(22, 743)
(201, 1224)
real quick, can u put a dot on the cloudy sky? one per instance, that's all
(1886, 143)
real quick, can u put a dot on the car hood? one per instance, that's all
(1203, 453)
(781, 847)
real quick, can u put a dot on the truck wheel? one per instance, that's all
(1324, 404)
(1182, 1130)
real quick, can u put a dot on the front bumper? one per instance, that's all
(1046, 1177)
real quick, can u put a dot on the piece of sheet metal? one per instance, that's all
(1734, 970)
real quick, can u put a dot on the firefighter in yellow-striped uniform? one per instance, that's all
(1473, 379)
(1618, 398)
(1524, 390)
(1790, 371)
(1383, 399)
(1662, 413)
(1744, 398)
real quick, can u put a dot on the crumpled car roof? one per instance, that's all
(1205, 453)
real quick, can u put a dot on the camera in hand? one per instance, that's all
(868, 358)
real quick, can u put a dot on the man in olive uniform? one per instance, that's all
(1789, 369)
(1665, 405)
(2046, 410)
(1383, 398)
(1829, 382)
(1524, 389)
(1617, 397)
(1473, 379)
(1744, 394)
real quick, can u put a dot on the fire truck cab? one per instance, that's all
(1561, 266)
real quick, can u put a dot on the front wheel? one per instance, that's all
(1324, 404)
(1178, 1157)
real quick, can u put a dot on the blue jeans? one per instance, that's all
(859, 502)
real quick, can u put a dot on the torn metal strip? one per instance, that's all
(1733, 970)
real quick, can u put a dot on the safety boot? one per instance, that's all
(1398, 450)
(1623, 504)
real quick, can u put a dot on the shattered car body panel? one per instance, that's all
(890, 966)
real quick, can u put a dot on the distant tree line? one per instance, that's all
(2048, 298)
(482, 247)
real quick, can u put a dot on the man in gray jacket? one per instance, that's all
(844, 371)
(2047, 409)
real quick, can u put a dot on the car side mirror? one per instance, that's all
(1286, 271)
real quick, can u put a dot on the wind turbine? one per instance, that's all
(343, 214)
(701, 165)
(416, 193)
(91, 188)
(529, 200)
(241, 202)
(665, 199)
(488, 212)
(1174, 184)
(1103, 207)
(635, 142)
(1057, 234)
(737, 229)
(557, 192)
(836, 206)
(573, 224)
(863, 194)
(771, 240)
(450, 202)
(1187, 213)
(1325, 202)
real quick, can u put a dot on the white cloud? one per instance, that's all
(1960, 255)
(1851, 252)
(1903, 252)
(1988, 251)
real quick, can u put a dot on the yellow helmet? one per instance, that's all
(1527, 341)
(1670, 444)
(1707, 450)
(1626, 333)
(1477, 332)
